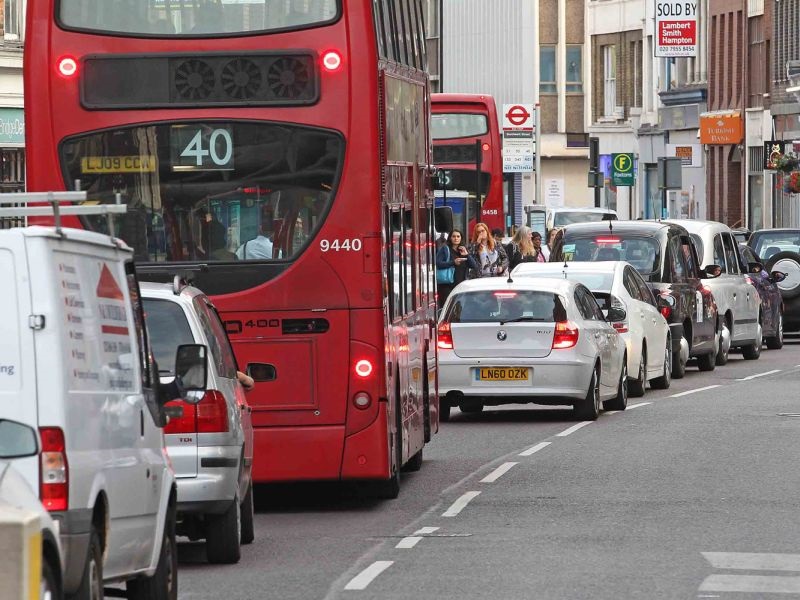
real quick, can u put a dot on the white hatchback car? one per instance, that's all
(210, 444)
(541, 341)
(639, 320)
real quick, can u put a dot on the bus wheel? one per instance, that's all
(426, 403)
(414, 463)
(390, 489)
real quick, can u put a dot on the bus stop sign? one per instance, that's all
(622, 174)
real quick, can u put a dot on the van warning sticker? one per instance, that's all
(99, 349)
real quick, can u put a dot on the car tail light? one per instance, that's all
(565, 335)
(666, 312)
(54, 471)
(182, 417)
(445, 337)
(620, 326)
(212, 413)
(607, 240)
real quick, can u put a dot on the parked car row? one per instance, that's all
(620, 304)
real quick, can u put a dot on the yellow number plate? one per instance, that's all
(503, 374)
(119, 164)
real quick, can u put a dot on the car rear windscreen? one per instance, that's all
(644, 253)
(492, 306)
(768, 244)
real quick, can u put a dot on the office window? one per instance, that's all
(575, 69)
(609, 80)
(547, 70)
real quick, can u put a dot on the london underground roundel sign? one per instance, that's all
(517, 115)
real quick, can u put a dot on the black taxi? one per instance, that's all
(664, 255)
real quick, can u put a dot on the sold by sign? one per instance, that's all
(676, 28)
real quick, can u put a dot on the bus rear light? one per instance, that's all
(182, 417)
(565, 335)
(54, 470)
(362, 400)
(67, 66)
(364, 368)
(212, 413)
(445, 337)
(486, 147)
(332, 60)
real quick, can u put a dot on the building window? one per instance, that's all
(636, 51)
(575, 69)
(14, 14)
(547, 70)
(609, 81)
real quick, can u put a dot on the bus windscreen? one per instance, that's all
(210, 191)
(162, 18)
(446, 126)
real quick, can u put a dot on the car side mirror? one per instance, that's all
(262, 372)
(191, 371)
(712, 271)
(17, 440)
(777, 276)
(616, 314)
(754, 267)
(665, 301)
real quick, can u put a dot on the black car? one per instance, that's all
(664, 255)
(779, 250)
(771, 300)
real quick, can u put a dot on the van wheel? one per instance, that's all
(708, 362)
(49, 588)
(163, 585)
(91, 587)
(776, 342)
(248, 516)
(224, 535)
(724, 345)
(679, 361)
(390, 488)
(753, 351)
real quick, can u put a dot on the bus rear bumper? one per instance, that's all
(285, 454)
(366, 453)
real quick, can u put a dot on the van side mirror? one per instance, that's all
(754, 267)
(17, 440)
(712, 271)
(191, 369)
(443, 219)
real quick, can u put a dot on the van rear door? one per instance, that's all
(17, 353)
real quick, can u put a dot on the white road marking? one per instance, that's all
(611, 412)
(753, 561)
(498, 472)
(460, 504)
(694, 391)
(759, 375)
(363, 579)
(573, 429)
(632, 406)
(413, 540)
(754, 584)
(534, 449)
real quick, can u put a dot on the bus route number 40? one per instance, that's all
(337, 245)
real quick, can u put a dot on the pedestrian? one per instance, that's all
(523, 249)
(498, 235)
(538, 250)
(548, 247)
(490, 257)
(453, 262)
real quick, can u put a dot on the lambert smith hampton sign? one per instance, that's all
(721, 128)
(676, 28)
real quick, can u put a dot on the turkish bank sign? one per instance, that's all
(676, 28)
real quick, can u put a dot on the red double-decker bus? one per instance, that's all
(278, 154)
(462, 125)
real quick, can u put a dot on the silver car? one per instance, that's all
(541, 341)
(210, 444)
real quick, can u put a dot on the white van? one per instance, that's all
(75, 363)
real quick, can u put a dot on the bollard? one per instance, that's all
(21, 549)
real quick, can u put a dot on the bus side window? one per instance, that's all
(396, 267)
(377, 13)
(409, 245)
(400, 32)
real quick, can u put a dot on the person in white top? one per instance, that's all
(259, 248)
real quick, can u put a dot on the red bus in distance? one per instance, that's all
(276, 154)
(458, 121)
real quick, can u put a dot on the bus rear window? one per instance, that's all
(446, 126)
(176, 18)
(643, 253)
(210, 191)
(490, 306)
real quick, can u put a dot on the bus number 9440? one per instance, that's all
(337, 245)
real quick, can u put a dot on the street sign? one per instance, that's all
(676, 28)
(519, 148)
(622, 174)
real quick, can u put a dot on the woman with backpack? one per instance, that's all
(453, 262)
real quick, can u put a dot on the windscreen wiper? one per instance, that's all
(523, 319)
